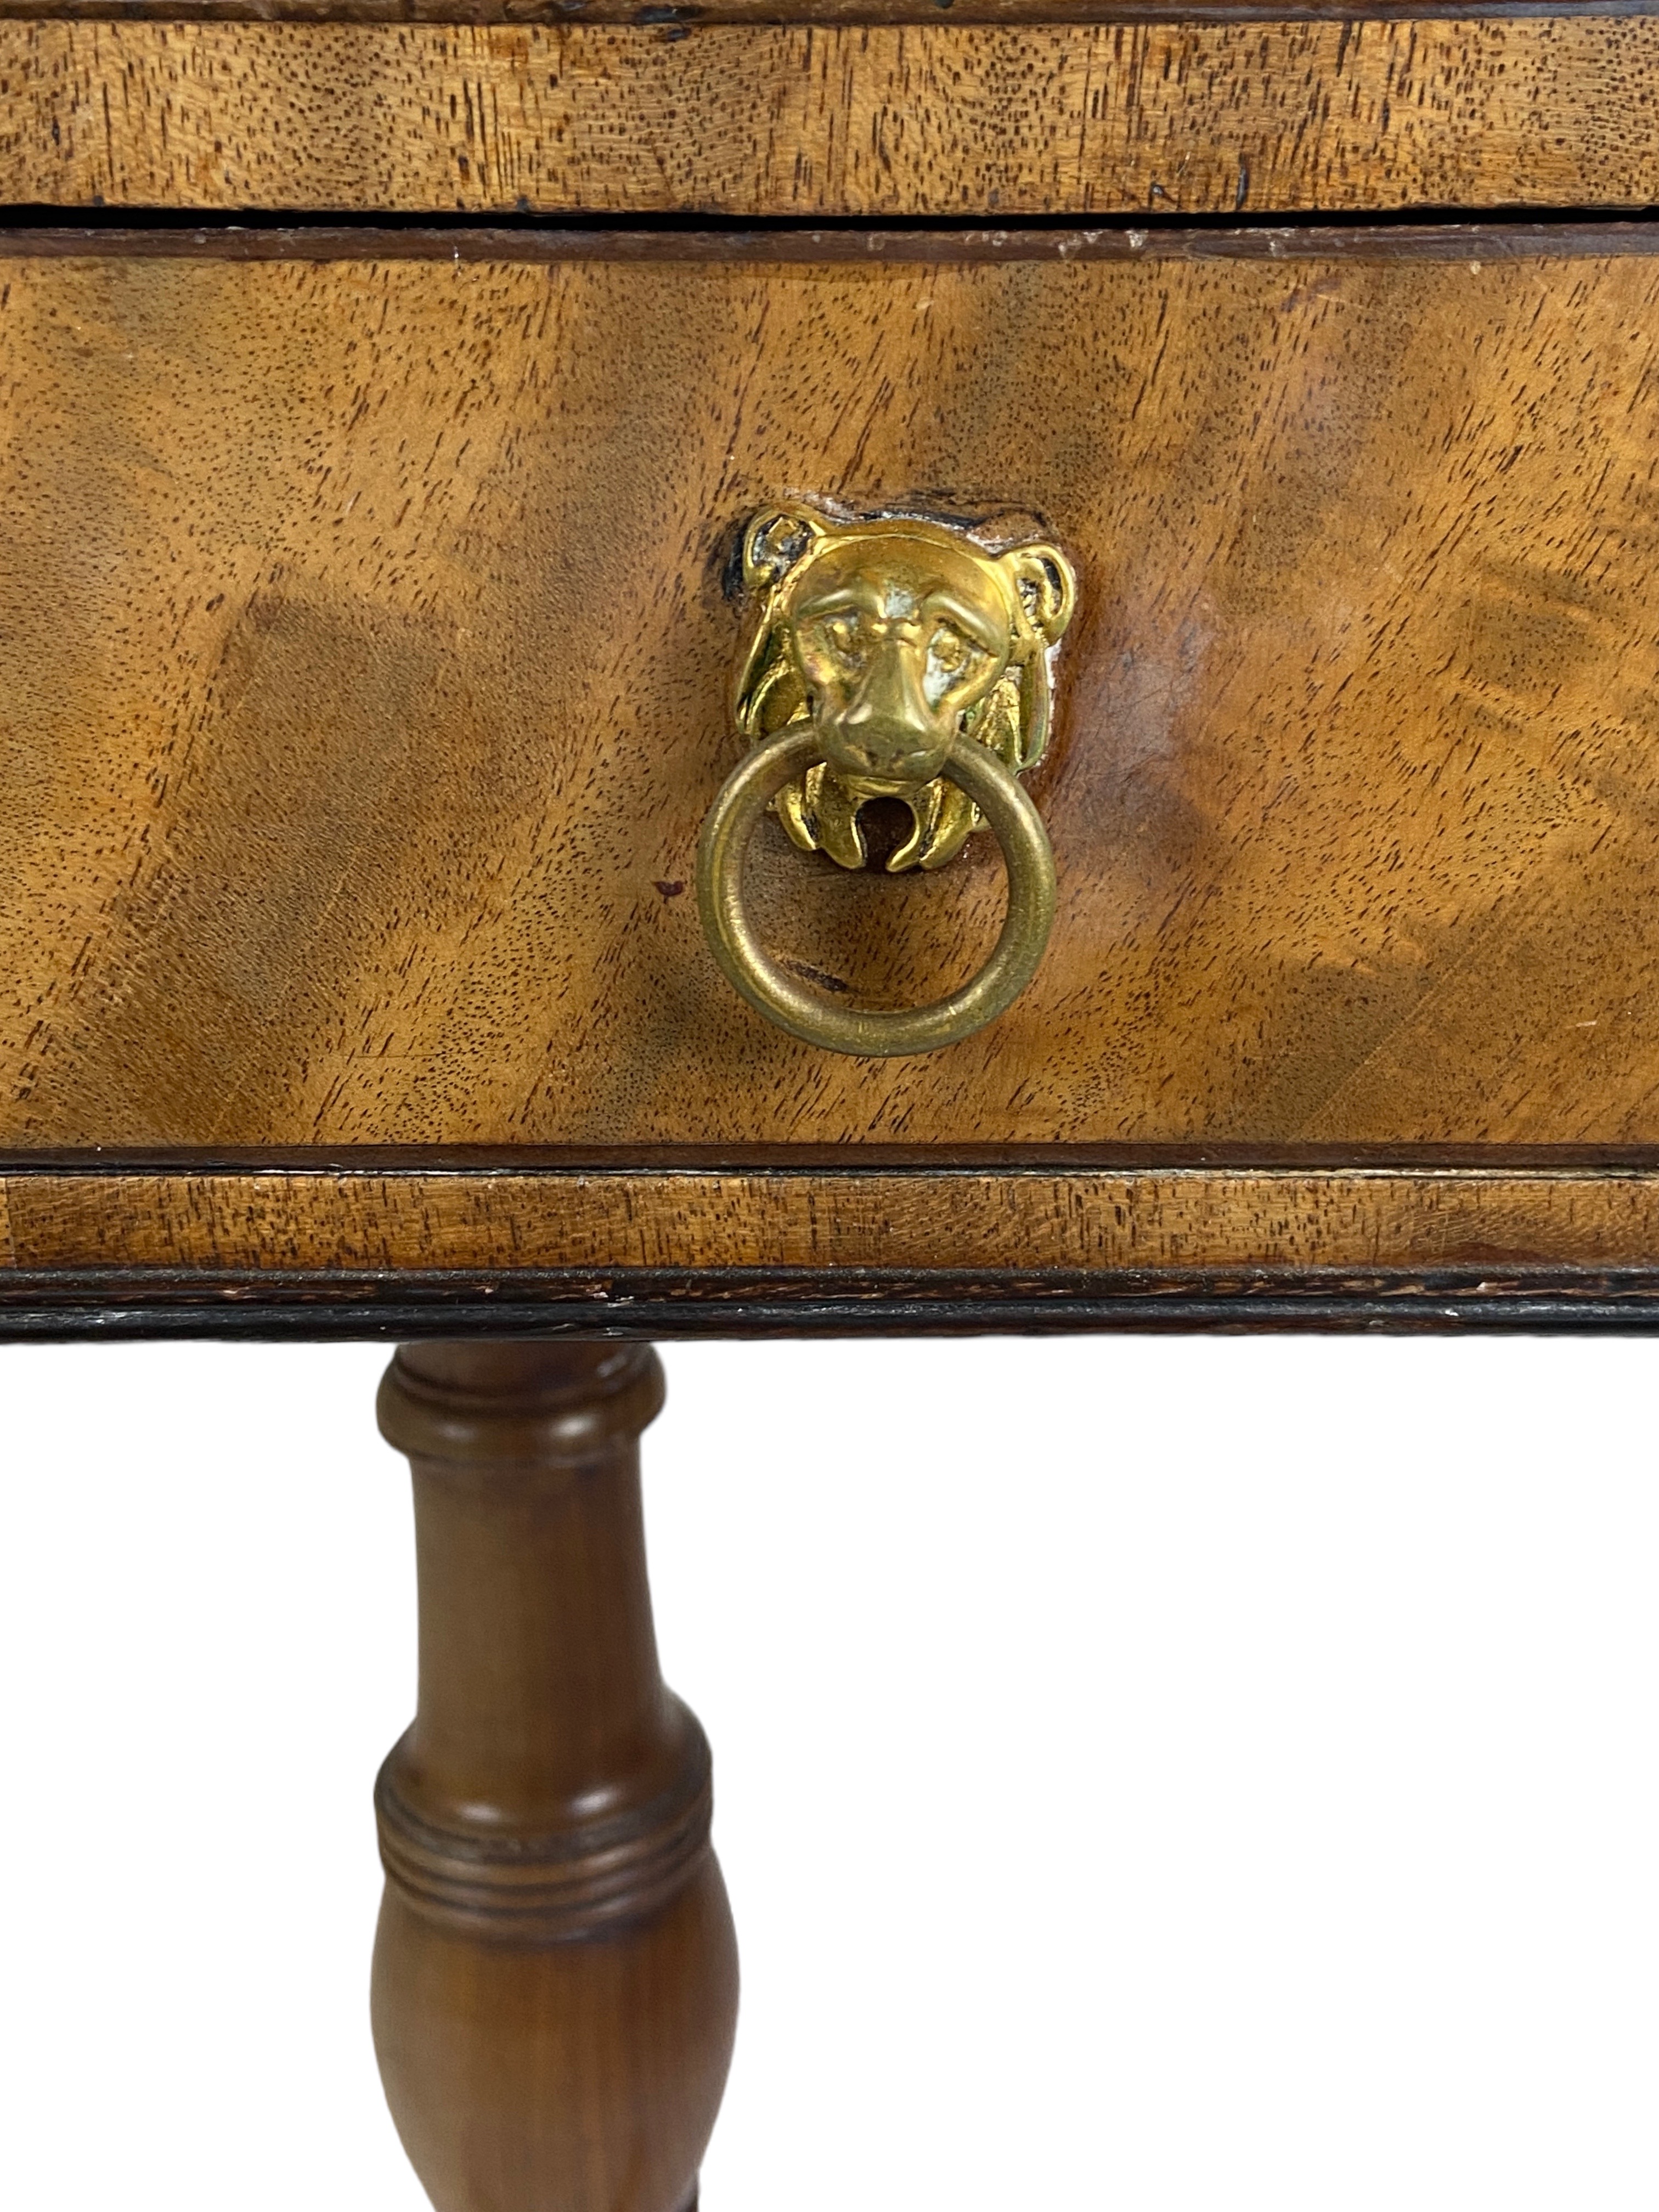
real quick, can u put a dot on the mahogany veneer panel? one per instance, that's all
(957, 1221)
(755, 120)
(686, 14)
(365, 663)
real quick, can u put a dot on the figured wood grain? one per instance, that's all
(853, 120)
(942, 1220)
(365, 663)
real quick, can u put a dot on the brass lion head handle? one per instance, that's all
(894, 658)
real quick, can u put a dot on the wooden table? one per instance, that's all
(454, 466)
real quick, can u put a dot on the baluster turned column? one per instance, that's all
(555, 1975)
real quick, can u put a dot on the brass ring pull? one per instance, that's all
(895, 657)
(981, 776)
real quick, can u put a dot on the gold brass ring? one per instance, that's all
(976, 770)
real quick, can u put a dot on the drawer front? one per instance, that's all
(366, 652)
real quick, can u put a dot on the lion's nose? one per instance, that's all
(890, 691)
(887, 730)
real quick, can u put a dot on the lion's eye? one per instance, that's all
(951, 657)
(842, 640)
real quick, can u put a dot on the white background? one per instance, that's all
(1153, 1775)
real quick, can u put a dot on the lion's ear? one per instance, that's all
(1046, 585)
(776, 541)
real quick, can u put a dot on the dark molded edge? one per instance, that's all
(97, 1305)
(845, 1160)
(1424, 235)
(675, 18)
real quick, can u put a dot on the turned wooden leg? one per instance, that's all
(555, 1974)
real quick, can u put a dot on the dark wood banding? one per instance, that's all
(787, 245)
(107, 1306)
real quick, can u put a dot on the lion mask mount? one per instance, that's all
(895, 637)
